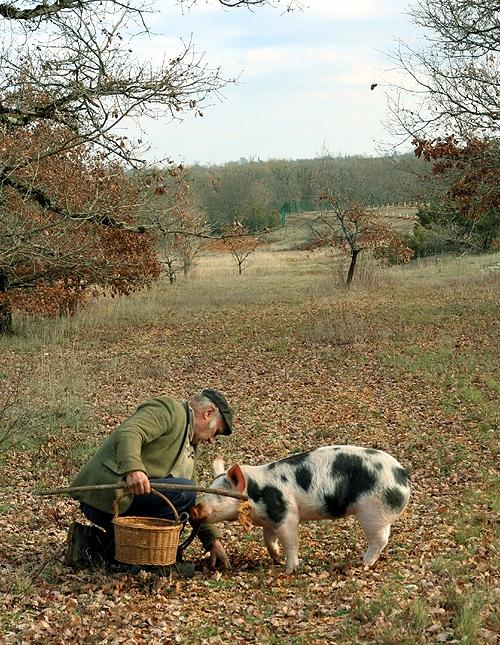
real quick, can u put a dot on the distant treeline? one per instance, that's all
(260, 193)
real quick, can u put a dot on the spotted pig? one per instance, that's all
(325, 483)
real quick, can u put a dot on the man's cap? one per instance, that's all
(219, 400)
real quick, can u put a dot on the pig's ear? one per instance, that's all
(237, 478)
(218, 466)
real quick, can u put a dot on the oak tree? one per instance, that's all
(449, 106)
(466, 214)
(52, 259)
(71, 78)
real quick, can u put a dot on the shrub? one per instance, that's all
(442, 228)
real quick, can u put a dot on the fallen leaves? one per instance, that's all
(289, 394)
(244, 510)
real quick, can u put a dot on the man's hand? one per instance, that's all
(138, 482)
(218, 554)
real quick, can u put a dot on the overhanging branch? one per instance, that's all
(29, 191)
(11, 12)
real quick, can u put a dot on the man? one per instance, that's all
(158, 443)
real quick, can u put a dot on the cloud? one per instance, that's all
(304, 79)
(343, 9)
(330, 8)
(158, 49)
(301, 66)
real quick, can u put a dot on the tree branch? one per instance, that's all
(9, 11)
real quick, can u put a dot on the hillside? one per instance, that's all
(298, 226)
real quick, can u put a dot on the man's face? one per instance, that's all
(207, 425)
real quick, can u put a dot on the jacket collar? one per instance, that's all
(189, 421)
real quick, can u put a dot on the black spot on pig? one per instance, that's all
(333, 506)
(394, 499)
(303, 476)
(371, 451)
(253, 490)
(293, 460)
(352, 468)
(378, 465)
(400, 476)
(352, 479)
(284, 479)
(275, 506)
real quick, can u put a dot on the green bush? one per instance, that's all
(259, 220)
(443, 228)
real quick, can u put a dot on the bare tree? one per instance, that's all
(289, 5)
(177, 252)
(75, 63)
(238, 243)
(451, 82)
(72, 63)
(179, 223)
(344, 222)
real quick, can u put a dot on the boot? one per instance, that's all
(85, 547)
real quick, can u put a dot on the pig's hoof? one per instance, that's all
(369, 562)
(291, 567)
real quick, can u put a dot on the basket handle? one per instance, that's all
(156, 492)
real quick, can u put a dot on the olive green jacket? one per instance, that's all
(150, 440)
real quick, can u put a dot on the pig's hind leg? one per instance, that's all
(377, 529)
(271, 542)
(288, 535)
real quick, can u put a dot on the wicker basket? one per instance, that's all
(146, 540)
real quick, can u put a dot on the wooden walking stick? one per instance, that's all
(199, 489)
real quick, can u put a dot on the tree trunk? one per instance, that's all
(5, 309)
(350, 273)
(5, 319)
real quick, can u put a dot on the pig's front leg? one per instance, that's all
(271, 542)
(288, 535)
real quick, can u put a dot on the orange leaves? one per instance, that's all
(235, 239)
(241, 244)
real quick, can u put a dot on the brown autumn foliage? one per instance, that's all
(471, 170)
(64, 225)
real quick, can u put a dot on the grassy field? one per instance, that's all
(298, 226)
(406, 361)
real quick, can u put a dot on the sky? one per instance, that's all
(303, 84)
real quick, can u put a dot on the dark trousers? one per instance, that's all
(149, 505)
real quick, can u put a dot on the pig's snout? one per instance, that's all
(198, 513)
